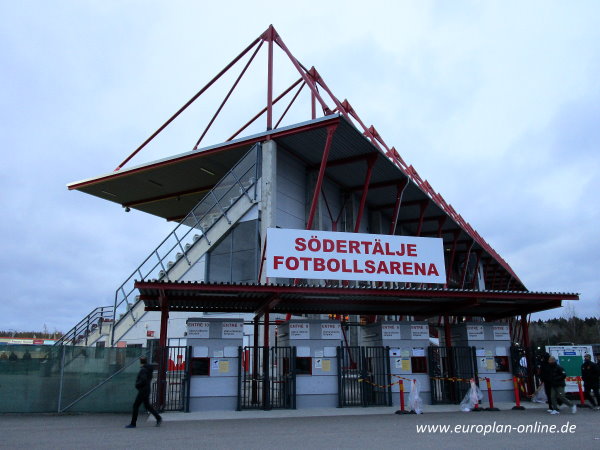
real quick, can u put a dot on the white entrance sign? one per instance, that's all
(198, 329)
(419, 331)
(475, 332)
(299, 330)
(389, 331)
(501, 333)
(331, 331)
(354, 256)
(232, 330)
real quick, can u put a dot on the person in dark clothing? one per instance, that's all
(545, 378)
(589, 374)
(557, 381)
(142, 384)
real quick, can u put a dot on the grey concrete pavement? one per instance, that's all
(364, 428)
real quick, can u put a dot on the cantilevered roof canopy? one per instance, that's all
(171, 187)
(257, 299)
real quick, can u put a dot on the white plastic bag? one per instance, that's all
(415, 403)
(539, 396)
(472, 397)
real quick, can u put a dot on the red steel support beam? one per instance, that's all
(262, 111)
(313, 207)
(525, 329)
(190, 101)
(228, 95)
(467, 257)
(310, 83)
(162, 344)
(290, 105)
(363, 199)
(271, 36)
(452, 255)
(421, 215)
(441, 222)
(526, 344)
(399, 192)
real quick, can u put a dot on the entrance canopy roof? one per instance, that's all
(428, 302)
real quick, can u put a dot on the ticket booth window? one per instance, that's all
(200, 366)
(501, 363)
(419, 364)
(304, 366)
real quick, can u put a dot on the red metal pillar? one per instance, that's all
(452, 255)
(164, 352)
(399, 192)
(421, 215)
(270, 38)
(441, 223)
(363, 198)
(313, 207)
(464, 275)
(525, 330)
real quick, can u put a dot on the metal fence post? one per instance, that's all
(62, 373)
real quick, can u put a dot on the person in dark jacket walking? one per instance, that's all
(142, 384)
(589, 374)
(557, 381)
(545, 377)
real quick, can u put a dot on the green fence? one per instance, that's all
(38, 378)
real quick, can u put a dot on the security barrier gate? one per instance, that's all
(267, 378)
(445, 364)
(171, 381)
(364, 376)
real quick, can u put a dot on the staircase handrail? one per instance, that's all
(245, 182)
(94, 320)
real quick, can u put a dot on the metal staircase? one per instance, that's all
(220, 209)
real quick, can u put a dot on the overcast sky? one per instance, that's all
(497, 104)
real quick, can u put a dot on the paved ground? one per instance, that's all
(364, 428)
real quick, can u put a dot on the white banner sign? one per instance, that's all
(331, 331)
(419, 331)
(389, 331)
(501, 333)
(198, 329)
(475, 332)
(354, 256)
(232, 330)
(299, 330)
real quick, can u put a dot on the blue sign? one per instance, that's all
(570, 353)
